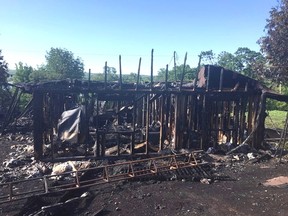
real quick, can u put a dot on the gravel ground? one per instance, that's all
(243, 193)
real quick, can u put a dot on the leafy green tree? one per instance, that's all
(274, 44)
(40, 74)
(3, 69)
(111, 75)
(130, 78)
(248, 61)
(207, 57)
(4, 91)
(23, 73)
(244, 60)
(61, 64)
(228, 61)
(189, 75)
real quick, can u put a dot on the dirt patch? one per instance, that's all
(233, 187)
(280, 181)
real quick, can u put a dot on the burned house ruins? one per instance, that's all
(76, 119)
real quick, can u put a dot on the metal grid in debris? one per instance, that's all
(17, 190)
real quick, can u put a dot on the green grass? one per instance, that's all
(276, 119)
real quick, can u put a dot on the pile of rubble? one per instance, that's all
(20, 163)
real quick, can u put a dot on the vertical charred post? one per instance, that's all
(38, 124)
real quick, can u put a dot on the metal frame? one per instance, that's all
(11, 191)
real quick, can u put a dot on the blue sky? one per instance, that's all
(100, 30)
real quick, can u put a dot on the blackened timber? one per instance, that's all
(174, 58)
(114, 97)
(153, 108)
(250, 114)
(105, 75)
(138, 102)
(151, 76)
(197, 74)
(177, 129)
(51, 126)
(256, 108)
(260, 122)
(134, 126)
(97, 144)
(221, 79)
(208, 78)
(89, 78)
(26, 109)
(148, 109)
(144, 101)
(166, 77)
(163, 122)
(204, 123)
(236, 121)
(86, 126)
(242, 119)
(38, 124)
(120, 72)
(183, 72)
(138, 74)
(190, 120)
(184, 121)
(169, 116)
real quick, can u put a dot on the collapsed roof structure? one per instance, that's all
(76, 119)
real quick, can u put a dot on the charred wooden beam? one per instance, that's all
(175, 72)
(120, 72)
(151, 75)
(198, 69)
(105, 75)
(148, 109)
(166, 77)
(162, 120)
(208, 78)
(138, 75)
(260, 122)
(133, 127)
(183, 72)
(38, 124)
(221, 79)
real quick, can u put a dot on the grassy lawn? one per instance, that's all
(276, 119)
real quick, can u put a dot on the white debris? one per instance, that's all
(236, 157)
(86, 194)
(29, 149)
(68, 166)
(250, 156)
(62, 168)
(205, 181)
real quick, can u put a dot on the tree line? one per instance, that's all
(61, 64)
(269, 65)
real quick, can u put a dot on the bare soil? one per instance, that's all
(242, 190)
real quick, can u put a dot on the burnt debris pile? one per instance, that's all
(84, 119)
(92, 119)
